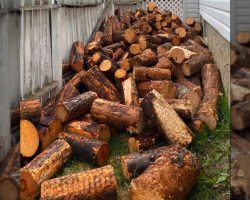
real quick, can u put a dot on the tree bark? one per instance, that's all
(31, 110)
(77, 56)
(146, 58)
(29, 140)
(87, 149)
(165, 88)
(97, 82)
(116, 46)
(118, 115)
(147, 74)
(95, 184)
(195, 64)
(208, 111)
(42, 168)
(89, 129)
(166, 119)
(76, 107)
(159, 180)
(180, 54)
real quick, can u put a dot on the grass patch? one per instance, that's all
(212, 149)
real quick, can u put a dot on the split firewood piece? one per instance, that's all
(43, 167)
(180, 54)
(108, 30)
(15, 116)
(89, 129)
(31, 110)
(117, 115)
(117, 55)
(167, 120)
(200, 40)
(197, 126)
(115, 46)
(82, 185)
(135, 164)
(198, 27)
(164, 48)
(146, 58)
(150, 39)
(155, 181)
(190, 21)
(240, 115)
(130, 92)
(243, 38)
(166, 88)
(142, 142)
(184, 92)
(195, 64)
(239, 93)
(211, 82)
(29, 140)
(77, 56)
(76, 107)
(181, 32)
(135, 49)
(45, 138)
(166, 37)
(96, 81)
(152, 6)
(146, 74)
(183, 107)
(190, 85)
(9, 180)
(165, 63)
(88, 149)
(130, 35)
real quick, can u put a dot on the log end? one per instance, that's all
(133, 145)
(105, 65)
(61, 113)
(28, 186)
(103, 154)
(210, 119)
(124, 168)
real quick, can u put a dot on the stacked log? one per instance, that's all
(240, 103)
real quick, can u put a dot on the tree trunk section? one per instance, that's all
(166, 119)
(159, 180)
(87, 149)
(118, 115)
(77, 56)
(31, 110)
(42, 168)
(76, 107)
(146, 58)
(95, 184)
(97, 82)
(147, 74)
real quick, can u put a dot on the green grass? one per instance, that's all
(212, 149)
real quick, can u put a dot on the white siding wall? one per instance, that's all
(191, 9)
(217, 14)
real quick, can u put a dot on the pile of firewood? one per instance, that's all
(240, 116)
(145, 72)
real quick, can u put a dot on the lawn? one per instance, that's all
(212, 149)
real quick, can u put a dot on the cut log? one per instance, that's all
(208, 111)
(29, 140)
(125, 64)
(197, 125)
(150, 39)
(198, 27)
(183, 107)
(130, 92)
(67, 93)
(118, 53)
(181, 32)
(159, 180)
(146, 58)
(166, 37)
(93, 184)
(180, 54)
(190, 21)
(43, 167)
(108, 68)
(130, 35)
(165, 63)
(166, 119)
(87, 149)
(185, 93)
(9, 180)
(161, 49)
(120, 74)
(117, 115)
(108, 30)
(135, 164)
(190, 85)
(135, 49)
(115, 46)
(142, 142)
(240, 115)
(76, 107)
(243, 38)
(151, 6)
(146, 74)
(199, 40)
(89, 129)
(45, 137)
(147, 45)
(31, 110)
(97, 58)
(165, 88)
(97, 82)
(77, 56)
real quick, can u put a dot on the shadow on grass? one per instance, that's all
(212, 149)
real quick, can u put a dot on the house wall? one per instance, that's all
(191, 9)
